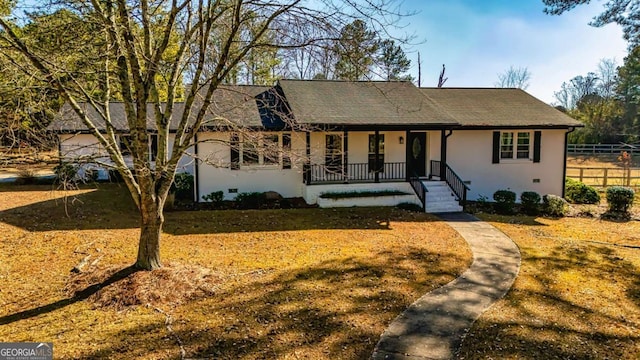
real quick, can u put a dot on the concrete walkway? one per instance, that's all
(433, 327)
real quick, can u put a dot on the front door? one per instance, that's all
(417, 151)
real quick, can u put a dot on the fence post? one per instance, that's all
(581, 173)
(604, 182)
(628, 177)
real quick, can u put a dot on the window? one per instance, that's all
(376, 164)
(515, 145)
(125, 144)
(153, 147)
(522, 151)
(333, 152)
(250, 154)
(261, 149)
(286, 151)
(506, 146)
(271, 149)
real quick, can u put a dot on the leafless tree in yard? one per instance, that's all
(150, 49)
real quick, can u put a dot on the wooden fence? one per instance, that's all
(605, 176)
(594, 149)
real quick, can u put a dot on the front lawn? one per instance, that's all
(577, 295)
(287, 284)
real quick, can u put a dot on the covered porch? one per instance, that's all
(373, 156)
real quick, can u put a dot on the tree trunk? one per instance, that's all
(151, 221)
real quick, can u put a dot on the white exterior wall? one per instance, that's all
(85, 149)
(215, 174)
(433, 145)
(469, 154)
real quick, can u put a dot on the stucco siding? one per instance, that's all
(469, 153)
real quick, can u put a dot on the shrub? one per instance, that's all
(410, 207)
(250, 200)
(183, 187)
(580, 193)
(554, 205)
(66, 173)
(530, 201)
(215, 197)
(505, 201)
(26, 177)
(620, 198)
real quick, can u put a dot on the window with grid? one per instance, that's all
(506, 145)
(522, 150)
(515, 145)
(376, 164)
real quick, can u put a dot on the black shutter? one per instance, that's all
(537, 135)
(234, 147)
(496, 147)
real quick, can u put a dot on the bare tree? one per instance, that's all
(514, 78)
(441, 78)
(150, 47)
(608, 75)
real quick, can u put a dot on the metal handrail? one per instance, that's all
(420, 189)
(452, 179)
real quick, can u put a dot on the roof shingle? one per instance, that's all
(497, 107)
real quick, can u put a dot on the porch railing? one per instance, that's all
(353, 172)
(420, 190)
(452, 179)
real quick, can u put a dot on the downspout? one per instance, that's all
(564, 164)
(195, 165)
(443, 154)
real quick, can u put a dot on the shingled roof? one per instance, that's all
(361, 103)
(497, 107)
(232, 104)
(350, 104)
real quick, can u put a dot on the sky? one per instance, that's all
(478, 39)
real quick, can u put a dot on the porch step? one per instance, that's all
(440, 198)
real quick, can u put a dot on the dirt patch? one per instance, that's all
(121, 287)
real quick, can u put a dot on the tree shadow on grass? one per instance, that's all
(332, 310)
(110, 207)
(79, 296)
(552, 313)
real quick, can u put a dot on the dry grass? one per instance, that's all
(602, 160)
(577, 295)
(289, 284)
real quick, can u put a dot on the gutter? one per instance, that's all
(564, 164)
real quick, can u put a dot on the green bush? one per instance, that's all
(66, 173)
(250, 200)
(620, 198)
(554, 205)
(505, 201)
(215, 197)
(580, 193)
(183, 187)
(530, 201)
